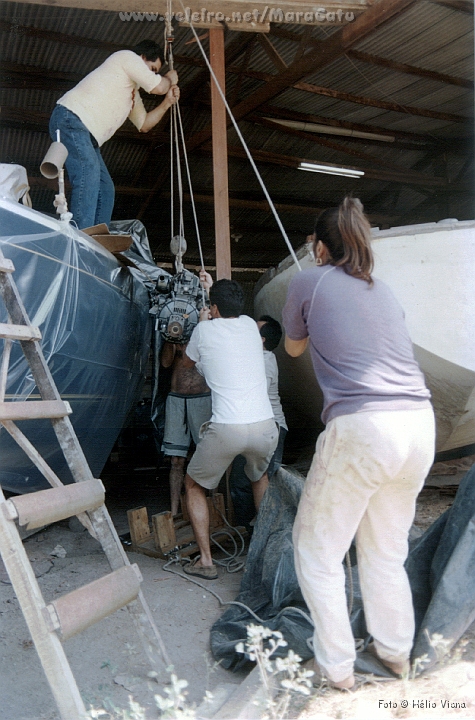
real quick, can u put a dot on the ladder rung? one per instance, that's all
(48, 506)
(85, 606)
(19, 332)
(34, 410)
(6, 265)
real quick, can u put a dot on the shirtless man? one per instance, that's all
(188, 407)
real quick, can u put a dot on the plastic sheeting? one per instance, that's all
(94, 318)
(148, 273)
(440, 566)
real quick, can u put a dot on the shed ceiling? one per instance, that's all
(410, 78)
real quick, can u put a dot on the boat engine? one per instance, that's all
(178, 302)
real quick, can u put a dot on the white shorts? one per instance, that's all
(220, 443)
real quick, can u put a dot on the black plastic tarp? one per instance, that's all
(440, 566)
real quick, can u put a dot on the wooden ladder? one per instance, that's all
(72, 613)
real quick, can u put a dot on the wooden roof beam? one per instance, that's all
(378, 60)
(329, 92)
(332, 48)
(293, 11)
(247, 204)
(384, 104)
(465, 6)
(409, 69)
(54, 36)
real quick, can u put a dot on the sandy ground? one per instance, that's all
(107, 659)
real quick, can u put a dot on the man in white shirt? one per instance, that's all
(89, 114)
(227, 349)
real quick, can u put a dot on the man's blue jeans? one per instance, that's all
(92, 196)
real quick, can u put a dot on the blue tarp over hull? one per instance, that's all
(93, 315)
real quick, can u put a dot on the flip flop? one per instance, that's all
(207, 573)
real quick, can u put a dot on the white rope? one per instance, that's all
(195, 217)
(174, 135)
(181, 230)
(172, 181)
(246, 149)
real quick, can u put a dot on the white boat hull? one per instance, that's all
(430, 269)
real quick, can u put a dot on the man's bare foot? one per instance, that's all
(399, 668)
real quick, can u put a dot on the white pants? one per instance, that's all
(366, 473)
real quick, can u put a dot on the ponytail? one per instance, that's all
(346, 232)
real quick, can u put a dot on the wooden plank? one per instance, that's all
(7, 348)
(48, 645)
(220, 156)
(184, 509)
(6, 266)
(34, 410)
(290, 11)
(19, 332)
(164, 531)
(138, 525)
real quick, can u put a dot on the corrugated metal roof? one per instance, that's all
(427, 35)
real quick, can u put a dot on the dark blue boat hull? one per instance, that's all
(94, 317)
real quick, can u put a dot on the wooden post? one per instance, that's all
(220, 156)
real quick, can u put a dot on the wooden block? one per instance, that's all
(184, 509)
(164, 531)
(185, 535)
(138, 525)
(216, 510)
(180, 523)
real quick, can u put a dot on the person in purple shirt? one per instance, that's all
(371, 461)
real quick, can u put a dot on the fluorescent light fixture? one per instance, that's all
(331, 170)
